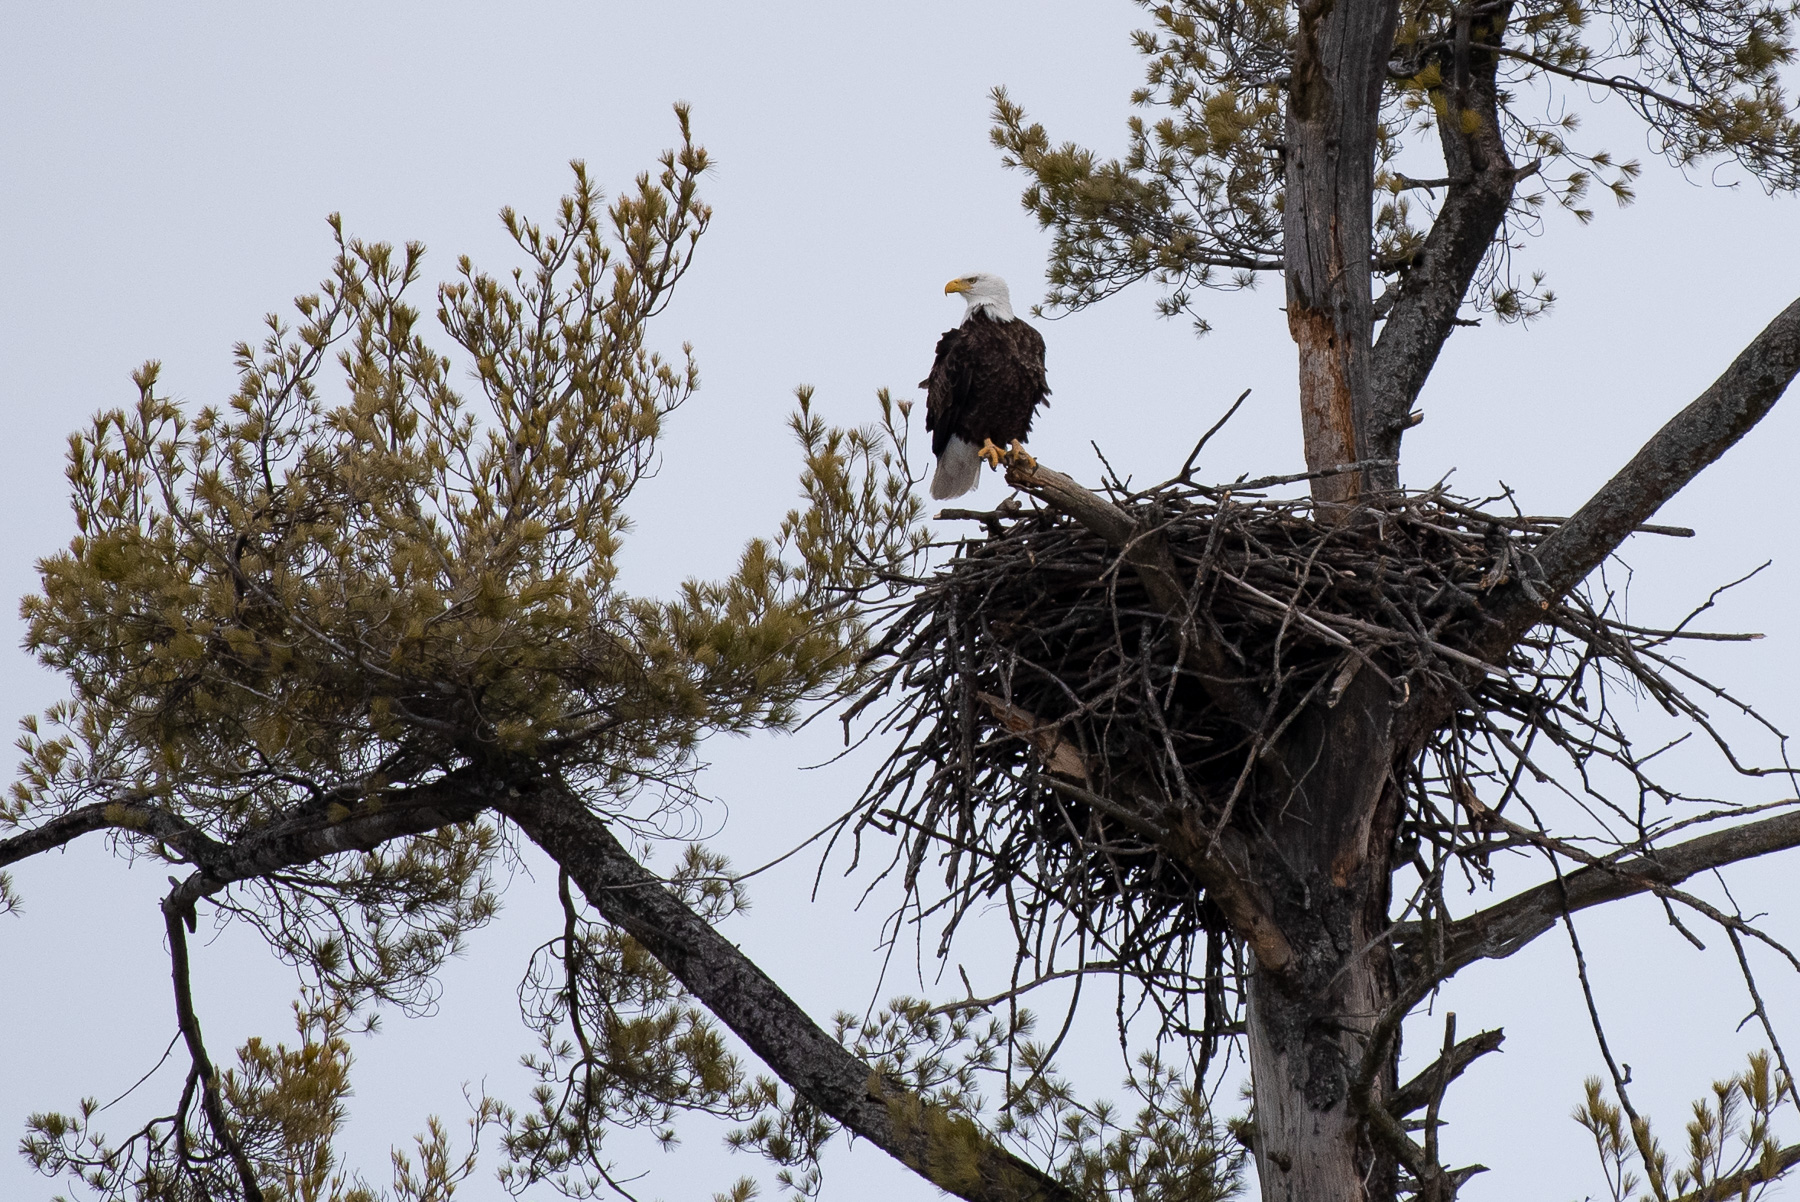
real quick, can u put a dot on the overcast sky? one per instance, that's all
(167, 171)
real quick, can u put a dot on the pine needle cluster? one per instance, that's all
(1196, 200)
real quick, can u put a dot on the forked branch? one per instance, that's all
(1417, 1093)
(175, 919)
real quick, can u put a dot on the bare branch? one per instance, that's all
(1504, 928)
(1416, 1094)
(1616, 83)
(1686, 445)
(175, 916)
(1480, 177)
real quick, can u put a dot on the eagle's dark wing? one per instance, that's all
(1008, 380)
(949, 387)
(987, 383)
(1029, 384)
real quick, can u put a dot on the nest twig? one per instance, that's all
(1051, 729)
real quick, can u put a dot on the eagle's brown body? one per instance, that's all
(986, 384)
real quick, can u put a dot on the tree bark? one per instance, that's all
(1325, 806)
(1327, 810)
(947, 1150)
(1334, 105)
(1430, 293)
(1308, 890)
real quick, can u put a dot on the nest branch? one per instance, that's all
(1089, 701)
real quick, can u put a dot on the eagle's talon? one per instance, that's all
(1018, 456)
(991, 454)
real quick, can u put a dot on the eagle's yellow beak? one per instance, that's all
(956, 286)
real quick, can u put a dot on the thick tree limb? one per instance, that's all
(1504, 928)
(299, 838)
(130, 812)
(949, 1151)
(1223, 865)
(1339, 66)
(457, 797)
(1481, 179)
(1685, 446)
(1691, 441)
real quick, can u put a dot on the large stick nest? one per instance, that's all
(1050, 730)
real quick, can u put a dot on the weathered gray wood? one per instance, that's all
(1328, 823)
(1505, 927)
(1685, 446)
(1327, 810)
(1334, 97)
(1417, 1093)
(1430, 295)
(1688, 443)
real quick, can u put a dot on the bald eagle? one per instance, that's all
(987, 382)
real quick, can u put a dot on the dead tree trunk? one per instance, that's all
(1334, 101)
(1327, 813)
(1326, 807)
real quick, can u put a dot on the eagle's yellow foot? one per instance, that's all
(1017, 455)
(991, 454)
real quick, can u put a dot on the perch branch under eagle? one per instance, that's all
(984, 388)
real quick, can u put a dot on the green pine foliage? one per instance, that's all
(1732, 1148)
(289, 602)
(313, 602)
(318, 598)
(1195, 202)
(287, 1105)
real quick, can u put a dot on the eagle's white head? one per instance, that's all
(983, 290)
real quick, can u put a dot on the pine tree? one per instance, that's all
(326, 656)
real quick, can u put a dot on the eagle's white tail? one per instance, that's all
(958, 470)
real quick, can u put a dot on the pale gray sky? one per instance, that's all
(167, 172)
